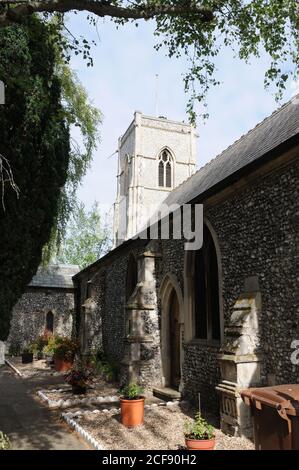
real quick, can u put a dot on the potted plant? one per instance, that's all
(132, 405)
(199, 435)
(27, 356)
(79, 378)
(38, 345)
(48, 350)
(64, 352)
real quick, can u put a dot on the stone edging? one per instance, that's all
(14, 368)
(75, 401)
(71, 414)
(38, 372)
(86, 436)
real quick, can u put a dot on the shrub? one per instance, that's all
(27, 350)
(50, 346)
(131, 392)
(108, 369)
(37, 346)
(199, 429)
(78, 375)
(65, 348)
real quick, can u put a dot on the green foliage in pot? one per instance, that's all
(199, 429)
(4, 441)
(27, 350)
(79, 376)
(65, 348)
(49, 348)
(131, 391)
(37, 346)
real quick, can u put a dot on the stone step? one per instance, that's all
(167, 394)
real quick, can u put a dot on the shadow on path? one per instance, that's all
(29, 424)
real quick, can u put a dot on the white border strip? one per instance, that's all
(86, 435)
(14, 368)
(45, 373)
(75, 401)
(50, 403)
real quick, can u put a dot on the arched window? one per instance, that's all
(165, 169)
(206, 290)
(50, 322)
(161, 173)
(132, 276)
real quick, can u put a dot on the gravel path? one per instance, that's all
(163, 430)
(28, 424)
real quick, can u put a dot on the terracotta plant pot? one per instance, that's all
(78, 389)
(195, 444)
(132, 412)
(62, 365)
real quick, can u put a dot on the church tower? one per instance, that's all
(154, 156)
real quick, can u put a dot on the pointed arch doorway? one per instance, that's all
(171, 333)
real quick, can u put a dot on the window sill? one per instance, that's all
(165, 188)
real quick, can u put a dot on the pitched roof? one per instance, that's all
(55, 276)
(273, 131)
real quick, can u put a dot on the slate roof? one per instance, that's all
(274, 130)
(55, 276)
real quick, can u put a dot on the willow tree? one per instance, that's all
(198, 29)
(40, 167)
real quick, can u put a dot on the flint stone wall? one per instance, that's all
(257, 228)
(29, 316)
(108, 291)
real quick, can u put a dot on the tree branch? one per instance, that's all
(6, 176)
(18, 9)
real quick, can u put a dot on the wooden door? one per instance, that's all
(175, 342)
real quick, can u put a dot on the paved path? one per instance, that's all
(28, 423)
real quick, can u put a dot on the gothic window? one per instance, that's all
(168, 175)
(165, 169)
(132, 276)
(50, 322)
(206, 290)
(161, 173)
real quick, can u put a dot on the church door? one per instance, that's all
(174, 339)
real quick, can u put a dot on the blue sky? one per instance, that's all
(123, 80)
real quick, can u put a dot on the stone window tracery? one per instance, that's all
(206, 290)
(165, 178)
